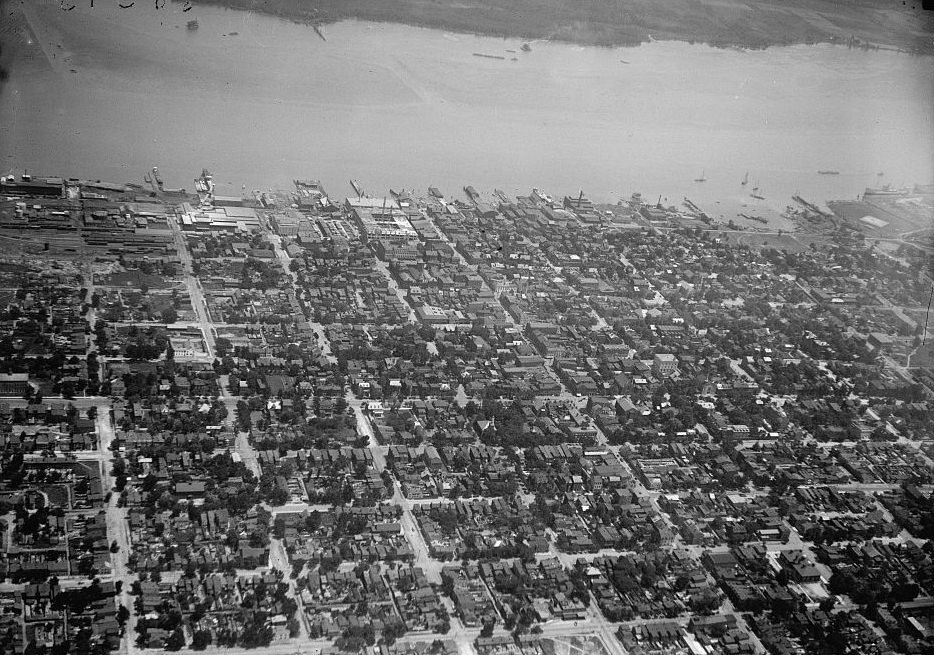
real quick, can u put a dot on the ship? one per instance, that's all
(886, 190)
(828, 172)
(702, 178)
(756, 195)
(745, 179)
(357, 187)
(204, 187)
(541, 196)
(526, 47)
(192, 25)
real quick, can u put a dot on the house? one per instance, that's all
(799, 568)
(193, 488)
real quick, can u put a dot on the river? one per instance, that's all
(108, 93)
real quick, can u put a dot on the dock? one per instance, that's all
(809, 206)
(697, 210)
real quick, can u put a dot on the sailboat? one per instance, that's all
(702, 178)
(745, 179)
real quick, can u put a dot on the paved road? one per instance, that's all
(194, 288)
(117, 527)
(279, 559)
(410, 529)
(383, 268)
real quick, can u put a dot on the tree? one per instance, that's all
(392, 632)
(176, 640)
(200, 640)
(123, 615)
(340, 405)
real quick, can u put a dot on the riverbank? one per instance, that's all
(751, 24)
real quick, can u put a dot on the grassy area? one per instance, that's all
(724, 23)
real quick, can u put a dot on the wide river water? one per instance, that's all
(108, 93)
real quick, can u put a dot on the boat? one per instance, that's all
(357, 187)
(745, 179)
(192, 25)
(526, 47)
(486, 56)
(828, 172)
(702, 178)
(885, 190)
(755, 194)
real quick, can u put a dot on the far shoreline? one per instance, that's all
(752, 35)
